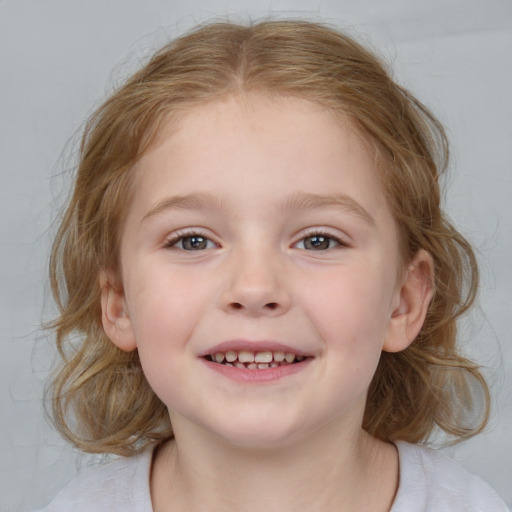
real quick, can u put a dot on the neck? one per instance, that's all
(325, 473)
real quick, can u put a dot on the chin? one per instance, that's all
(257, 426)
(259, 434)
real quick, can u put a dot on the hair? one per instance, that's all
(101, 400)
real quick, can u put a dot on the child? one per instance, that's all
(264, 287)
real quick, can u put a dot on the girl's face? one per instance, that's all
(259, 231)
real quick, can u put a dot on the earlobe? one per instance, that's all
(413, 300)
(116, 321)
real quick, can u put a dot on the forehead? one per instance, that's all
(235, 125)
(258, 148)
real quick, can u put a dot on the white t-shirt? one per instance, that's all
(429, 482)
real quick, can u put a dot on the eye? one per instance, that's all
(190, 242)
(318, 242)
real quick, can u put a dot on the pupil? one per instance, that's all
(194, 243)
(317, 242)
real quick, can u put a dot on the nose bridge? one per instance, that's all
(256, 281)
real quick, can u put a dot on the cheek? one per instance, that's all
(351, 313)
(164, 309)
(164, 314)
(351, 305)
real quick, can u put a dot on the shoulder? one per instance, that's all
(121, 485)
(430, 481)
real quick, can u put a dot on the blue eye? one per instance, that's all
(318, 242)
(191, 242)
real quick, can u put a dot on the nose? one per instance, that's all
(256, 285)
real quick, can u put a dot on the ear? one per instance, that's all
(114, 316)
(411, 303)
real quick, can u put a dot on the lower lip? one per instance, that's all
(257, 375)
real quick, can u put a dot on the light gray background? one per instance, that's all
(59, 58)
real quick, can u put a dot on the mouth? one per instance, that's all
(248, 360)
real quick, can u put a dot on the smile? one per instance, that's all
(247, 360)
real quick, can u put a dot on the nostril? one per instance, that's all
(269, 306)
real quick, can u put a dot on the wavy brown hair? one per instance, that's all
(101, 400)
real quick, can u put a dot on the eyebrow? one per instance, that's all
(199, 201)
(308, 201)
(296, 202)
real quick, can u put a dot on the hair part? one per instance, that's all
(101, 400)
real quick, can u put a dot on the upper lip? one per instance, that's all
(253, 346)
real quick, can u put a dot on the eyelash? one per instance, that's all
(324, 235)
(171, 243)
(182, 236)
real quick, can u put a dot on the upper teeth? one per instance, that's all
(264, 357)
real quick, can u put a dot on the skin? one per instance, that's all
(255, 181)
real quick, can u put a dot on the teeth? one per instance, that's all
(263, 357)
(231, 356)
(251, 360)
(289, 357)
(245, 357)
(278, 356)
